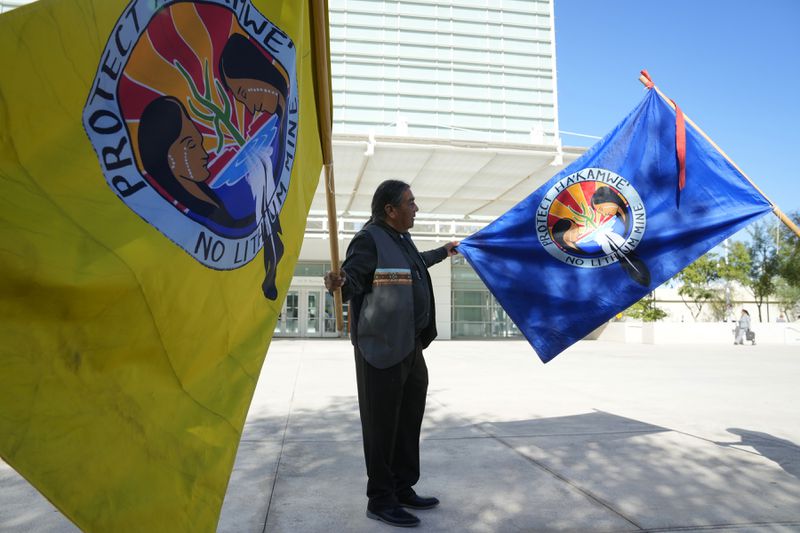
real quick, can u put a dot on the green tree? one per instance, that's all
(788, 298)
(765, 264)
(735, 266)
(734, 269)
(720, 308)
(646, 309)
(697, 283)
(789, 254)
(787, 284)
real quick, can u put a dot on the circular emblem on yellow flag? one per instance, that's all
(193, 115)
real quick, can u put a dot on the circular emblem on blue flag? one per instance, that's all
(193, 115)
(591, 218)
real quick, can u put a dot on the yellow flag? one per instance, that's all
(157, 162)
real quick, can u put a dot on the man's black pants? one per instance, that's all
(392, 403)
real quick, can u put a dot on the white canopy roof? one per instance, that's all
(450, 179)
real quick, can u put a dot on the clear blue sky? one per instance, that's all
(733, 66)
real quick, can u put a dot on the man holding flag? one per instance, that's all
(392, 320)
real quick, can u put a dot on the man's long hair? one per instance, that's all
(390, 192)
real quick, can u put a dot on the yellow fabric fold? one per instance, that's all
(127, 364)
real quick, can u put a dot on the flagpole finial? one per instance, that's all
(646, 80)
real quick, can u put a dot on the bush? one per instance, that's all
(646, 310)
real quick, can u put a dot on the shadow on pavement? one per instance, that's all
(592, 471)
(300, 467)
(781, 451)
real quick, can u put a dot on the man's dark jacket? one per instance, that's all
(365, 276)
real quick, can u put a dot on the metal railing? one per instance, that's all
(424, 229)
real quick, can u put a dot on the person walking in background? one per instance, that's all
(742, 327)
(392, 320)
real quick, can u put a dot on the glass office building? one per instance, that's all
(458, 69)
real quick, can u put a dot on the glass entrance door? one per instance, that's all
(312, 325)
(288, 324)
(330, 316)
(307, 312)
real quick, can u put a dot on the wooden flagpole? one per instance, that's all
(322, 80)
(775, 209)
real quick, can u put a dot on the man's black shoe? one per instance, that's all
(394, 516)
(418, 502)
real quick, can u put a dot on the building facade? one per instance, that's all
(456, 69)
(457, 98)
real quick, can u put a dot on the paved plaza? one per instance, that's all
(608, 437)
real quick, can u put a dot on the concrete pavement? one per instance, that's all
(608, 437)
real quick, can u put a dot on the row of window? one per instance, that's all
(449, 131)
(443, 76)
(368, 64)
(443, 98)
(481, 54)
(442, 33)
(432, 7)
(345, 119)
(525, 12)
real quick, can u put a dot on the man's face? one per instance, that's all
(401, 217)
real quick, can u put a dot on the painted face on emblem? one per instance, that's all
(186, 156)
(608, 209)
(172, 152)
(608, 203)
(256, 95)
(253, 79)
(566, 233)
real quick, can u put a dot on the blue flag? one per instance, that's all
(610, 228)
